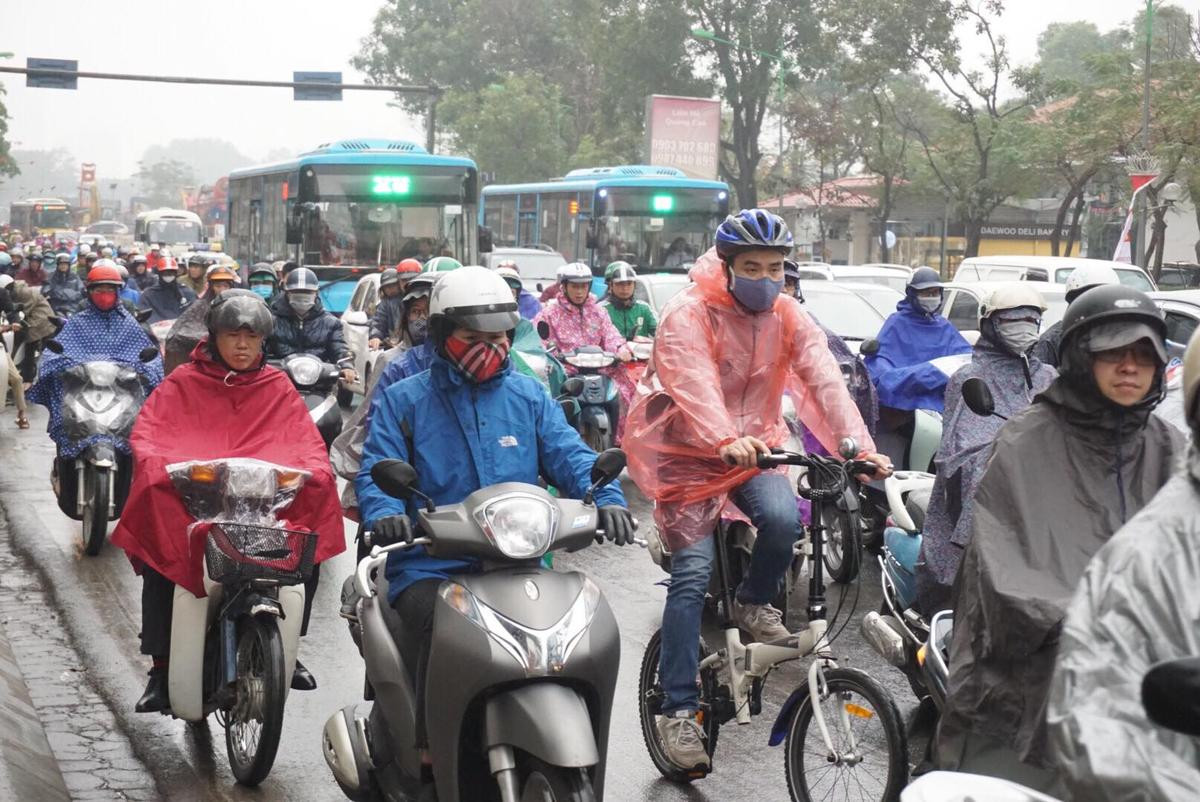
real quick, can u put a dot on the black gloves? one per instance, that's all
(392, 529)
(617, 524)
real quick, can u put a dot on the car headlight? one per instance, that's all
(521, 526)
(305, 370)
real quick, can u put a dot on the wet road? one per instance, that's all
(100, 601)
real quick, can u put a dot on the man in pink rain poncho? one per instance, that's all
(727, 349)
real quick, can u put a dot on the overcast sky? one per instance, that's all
(112, 123)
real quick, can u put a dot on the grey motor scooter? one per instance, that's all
(522, 664)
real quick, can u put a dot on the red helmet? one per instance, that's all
(409, 266)
(104, 272)
(167, 263)
(3, 246)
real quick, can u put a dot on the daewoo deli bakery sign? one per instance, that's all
(1021, 231)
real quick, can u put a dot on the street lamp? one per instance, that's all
(784, 66)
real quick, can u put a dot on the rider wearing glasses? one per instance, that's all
(726, 350)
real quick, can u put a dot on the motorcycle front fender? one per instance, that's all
(101, 454)
(548, 720)
(594, 416)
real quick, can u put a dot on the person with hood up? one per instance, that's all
(1064, 475)
(527, 303)
(385, 323)
(101, 330)
(197, 266)
(631, 317)
(10, 320)
(1008, 329)
(142, 275)
(303, 326)
(1097, 274)
(911, 338)
(32, 273)
(167, 299)
(1135, 608)
(37, 325)
(63, 289)
(226, 402)
(192, 324)
(709, 404)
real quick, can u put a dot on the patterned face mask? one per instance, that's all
(479, 360)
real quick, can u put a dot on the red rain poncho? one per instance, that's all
(719, 372)
(203, 411)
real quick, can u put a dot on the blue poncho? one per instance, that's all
(89, 335)
(902, 370)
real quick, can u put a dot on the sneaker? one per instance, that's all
(683, 740)
(762, 621)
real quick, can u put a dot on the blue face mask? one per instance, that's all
(757, 295)
(262, 290)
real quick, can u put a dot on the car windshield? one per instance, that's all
(54, 218)
(365, 233)
(896, 282)
(883, 299)
(661, 290)
(847, 315)
(171, 232)
(106, 228)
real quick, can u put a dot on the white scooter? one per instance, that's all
(233, 652)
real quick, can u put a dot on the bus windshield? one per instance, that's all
(359, 233)
(52, 218)
(172, 232)
(664, 229)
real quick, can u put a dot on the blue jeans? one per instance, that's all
(770, 503)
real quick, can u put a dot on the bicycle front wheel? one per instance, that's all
(871, 761)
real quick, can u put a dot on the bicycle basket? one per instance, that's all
(235, 552)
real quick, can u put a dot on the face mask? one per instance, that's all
(167, 278)
(262, 290)
(301, 302)
(104, 299)
(757, 295)
(930, 305)
(418, 330)
(1017, 336)
(480, 361)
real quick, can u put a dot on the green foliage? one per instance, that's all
(8, 166)
(163, 181)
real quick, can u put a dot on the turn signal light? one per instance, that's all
(921, 655)
(205, 474)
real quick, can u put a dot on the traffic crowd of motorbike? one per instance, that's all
(1037, 571)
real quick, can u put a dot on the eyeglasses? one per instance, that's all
(1142, 354)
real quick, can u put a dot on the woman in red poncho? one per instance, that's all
(224, 403)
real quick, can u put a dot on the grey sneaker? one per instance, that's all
(683, 740)
(762, 621)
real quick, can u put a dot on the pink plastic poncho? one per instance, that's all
(572, 326)
(718, 373)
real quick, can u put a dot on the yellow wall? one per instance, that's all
(1018, 247)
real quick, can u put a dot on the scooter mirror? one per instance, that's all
(572, 386)
(1171, 695)
(147, 354)
(869, 347)
(54, 346)
(848, 448)
(978, 397)
(570, 407)
(394, 477)
(543, 329)
(142, 315)
(608, 466)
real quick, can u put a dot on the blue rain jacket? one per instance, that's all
(901, 370)
(465, 436)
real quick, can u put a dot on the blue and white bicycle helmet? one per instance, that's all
(752, 229)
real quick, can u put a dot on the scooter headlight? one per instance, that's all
(305, 370)
(590, 360)
(520, 525)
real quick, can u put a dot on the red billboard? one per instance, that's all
(684, 132)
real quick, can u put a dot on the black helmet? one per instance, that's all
(1113, 303)
(301, 279)
(924, 278)
(388, 277)
(201, 259)
(235, 309)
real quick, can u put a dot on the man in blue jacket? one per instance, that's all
(468, 422)
(910, 339)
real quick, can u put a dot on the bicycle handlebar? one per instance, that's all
(779, 457)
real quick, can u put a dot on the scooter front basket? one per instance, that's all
(237, 552)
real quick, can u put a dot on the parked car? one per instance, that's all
(1179, 276)
(842, 311)
(108, 228)
(1182, 309)
(356, 329)
(872, 274)
(815, 271)
(964, 299)
(1053, 269)
(882, 297)
(539, 268)
(658, 288)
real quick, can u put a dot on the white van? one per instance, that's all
(1053, 269)
(539, 269)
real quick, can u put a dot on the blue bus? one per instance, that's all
(352, 207)
(654, 217)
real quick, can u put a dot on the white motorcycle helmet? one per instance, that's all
(472, 297)
(1088, 276)
(1013, 296)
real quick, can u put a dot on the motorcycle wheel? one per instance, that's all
(596, 440)
(852, 701)
(95, 511)
(650, 699)
(546, 783)
(255, 721)
(843, 544)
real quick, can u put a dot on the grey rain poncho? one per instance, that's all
(1138, 604)
(1063, 477)
(966, 444)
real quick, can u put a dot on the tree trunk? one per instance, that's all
(1059, 219)
(973, 235)
(1074, 234)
